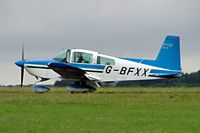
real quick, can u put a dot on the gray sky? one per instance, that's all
(115, 27)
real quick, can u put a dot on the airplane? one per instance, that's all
(88, 69)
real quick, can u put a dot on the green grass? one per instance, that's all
(117, 110)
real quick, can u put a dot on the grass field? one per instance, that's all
(111, 110)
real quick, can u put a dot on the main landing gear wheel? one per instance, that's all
(40, 88)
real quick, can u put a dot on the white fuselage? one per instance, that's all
(123, 70)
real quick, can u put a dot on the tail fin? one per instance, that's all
(169, 55)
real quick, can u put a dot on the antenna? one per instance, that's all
(128, 54)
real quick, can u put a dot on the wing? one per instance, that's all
(68, 71)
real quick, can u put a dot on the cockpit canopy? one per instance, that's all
(63, 56)
(83, 56)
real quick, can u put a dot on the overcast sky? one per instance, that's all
(134, 28)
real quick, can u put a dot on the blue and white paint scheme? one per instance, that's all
(89, 68)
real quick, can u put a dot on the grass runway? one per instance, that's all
(109, 110)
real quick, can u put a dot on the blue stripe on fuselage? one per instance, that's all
(88, 66)
(147, 62)
(78, 65)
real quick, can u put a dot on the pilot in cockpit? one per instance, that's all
(81, 59)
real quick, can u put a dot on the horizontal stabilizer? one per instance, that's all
(165, 74)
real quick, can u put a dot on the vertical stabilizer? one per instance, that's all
(169, 55)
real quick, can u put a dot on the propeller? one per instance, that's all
(22, 68)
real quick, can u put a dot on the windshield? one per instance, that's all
(63, 56)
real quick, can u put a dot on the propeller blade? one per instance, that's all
(22, 76)
(23, 51)
(22, 68)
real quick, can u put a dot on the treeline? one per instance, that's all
(188, 80)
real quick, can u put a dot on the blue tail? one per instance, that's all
(169, 55)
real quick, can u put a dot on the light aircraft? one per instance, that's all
(88, 69)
